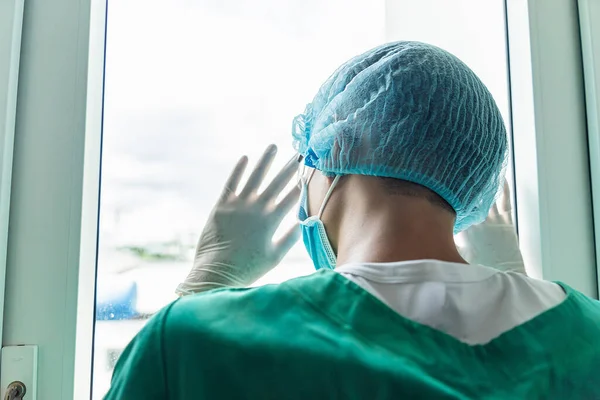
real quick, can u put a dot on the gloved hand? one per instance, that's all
(236, 247)
(494, 242)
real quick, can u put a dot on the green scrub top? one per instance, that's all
(324, 337)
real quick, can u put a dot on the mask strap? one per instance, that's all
(310, 175)
(328, 195)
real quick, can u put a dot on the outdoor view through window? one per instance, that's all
(191, 85)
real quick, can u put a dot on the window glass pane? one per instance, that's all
(193, 85)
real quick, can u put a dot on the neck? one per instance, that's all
(400, 230)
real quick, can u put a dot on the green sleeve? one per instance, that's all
(140, 372)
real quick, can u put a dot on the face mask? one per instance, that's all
(313, 231)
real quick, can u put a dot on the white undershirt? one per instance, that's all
(473, 303)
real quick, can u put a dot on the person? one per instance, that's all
(402, 148)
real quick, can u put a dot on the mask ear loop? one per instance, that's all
(310, 175)
(328, 195)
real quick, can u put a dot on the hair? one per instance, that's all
(406, 188)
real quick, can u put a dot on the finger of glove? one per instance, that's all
(505, 200)
(493, 214)
(286, 242)
(502, 206)
(259, 172)
(505, 206)
(288, 202)
(234, 180)
(279, 183)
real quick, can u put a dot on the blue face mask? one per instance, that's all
(313, 231)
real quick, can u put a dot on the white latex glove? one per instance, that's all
(236, 247)
(494, 242)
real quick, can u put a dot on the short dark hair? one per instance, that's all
(406, 188)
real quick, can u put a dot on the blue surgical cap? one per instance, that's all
(410, 111)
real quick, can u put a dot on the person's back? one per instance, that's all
(402, 147)
(292, 341)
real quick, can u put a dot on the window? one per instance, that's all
(192, 85)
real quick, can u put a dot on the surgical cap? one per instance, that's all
(410, 111)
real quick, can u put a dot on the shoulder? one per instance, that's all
(222, 309)
(228, 326)
(581, 304)
(210, 305)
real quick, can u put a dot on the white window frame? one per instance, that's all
(11, 24)
(589, 21)
(54, 204)
(554, 207)
(50, 272)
